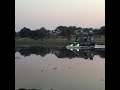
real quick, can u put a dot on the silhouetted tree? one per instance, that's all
(102, 30)
(64, 31)
(25, 32)
(17, 34)
(86, 30)
(96, 31)
(42, 33)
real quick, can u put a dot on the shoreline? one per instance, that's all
(52, 42)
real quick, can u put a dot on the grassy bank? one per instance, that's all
(100, 40)
(53, 42)
(48, 42)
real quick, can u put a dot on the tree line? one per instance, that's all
(60, 31)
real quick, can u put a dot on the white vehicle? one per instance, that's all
(76, 45)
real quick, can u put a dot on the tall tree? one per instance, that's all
(25, 32)
(102, 30)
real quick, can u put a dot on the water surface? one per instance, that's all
(46, 68)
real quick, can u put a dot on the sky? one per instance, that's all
(35, 14)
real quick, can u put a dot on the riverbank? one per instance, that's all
(53, 42)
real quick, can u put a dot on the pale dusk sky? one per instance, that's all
(35, 14)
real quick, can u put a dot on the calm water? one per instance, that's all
(48, 68)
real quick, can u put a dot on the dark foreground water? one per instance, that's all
(47, 68)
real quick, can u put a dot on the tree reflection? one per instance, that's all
(61, 52)
(100, 52)
(42, 51)
(64, 53)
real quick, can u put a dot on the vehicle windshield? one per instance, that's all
(75, 43)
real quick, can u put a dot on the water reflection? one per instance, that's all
(60, 52)
(58, 68)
